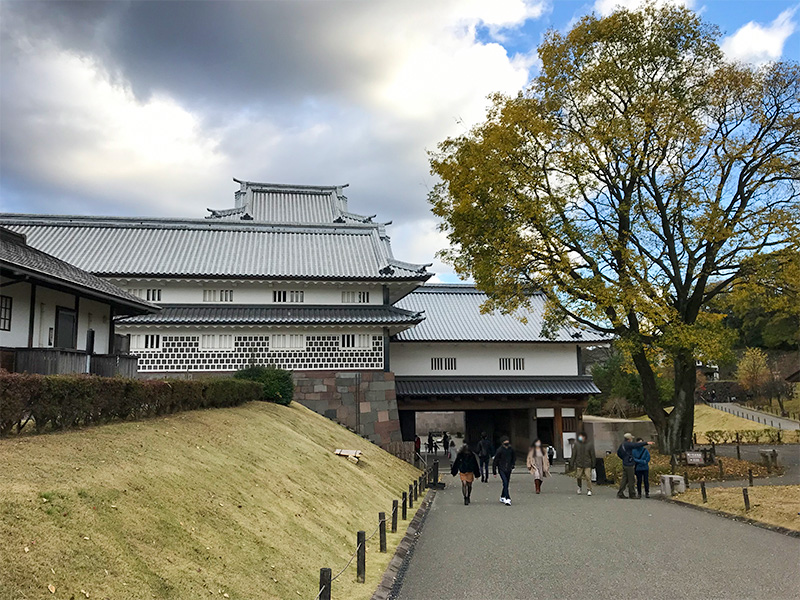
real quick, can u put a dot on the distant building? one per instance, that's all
(53, 315)
(290, 277)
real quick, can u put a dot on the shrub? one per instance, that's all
(278, 385)
(64, 401)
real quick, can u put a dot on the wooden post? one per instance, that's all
(686, 479)
(750, 476)
(746, 495)
(738, 453)
(435, 473)
(395, 508)
(410, 496)
(694, 438)
(405, 502)
(382, 528)
(324, 584)
(672, 462)
(361, 556)
(774, 458)
(703, 491)
(416, 491)
(721, 470)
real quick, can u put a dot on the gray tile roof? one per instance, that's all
(200, 248)
(506, 386)
(282, 203)
(277, 315)
(17, 258)
(453, 313)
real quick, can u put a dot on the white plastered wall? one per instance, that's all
(483, 359)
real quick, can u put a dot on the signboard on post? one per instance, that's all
(694, 458)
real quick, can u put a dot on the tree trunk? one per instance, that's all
(677, 435)
(674, 430)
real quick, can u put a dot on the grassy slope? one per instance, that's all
(772, 504)
(708, 418)
(247, 501)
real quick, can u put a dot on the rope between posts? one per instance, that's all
(358, 547)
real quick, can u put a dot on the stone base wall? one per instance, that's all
(364, 401)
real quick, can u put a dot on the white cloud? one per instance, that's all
(72, 132)
(606, 7)
(759, 44)
(76, 130)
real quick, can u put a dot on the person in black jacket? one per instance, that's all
(484, 456)
(625, 452)
(504, 460)
(466, 464)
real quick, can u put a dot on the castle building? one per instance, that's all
(288, 276)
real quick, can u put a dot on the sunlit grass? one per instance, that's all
(247, 501)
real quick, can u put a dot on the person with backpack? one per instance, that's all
(641, 456)
(625, 452)
(551, 454)
(504, 461)
(466, 465)
(484, 456)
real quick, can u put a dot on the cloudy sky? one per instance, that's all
(150, 108)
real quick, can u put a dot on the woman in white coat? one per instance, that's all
(538, 464)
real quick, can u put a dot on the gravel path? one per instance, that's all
(560, 545)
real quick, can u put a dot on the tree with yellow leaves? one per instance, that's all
(629, 183)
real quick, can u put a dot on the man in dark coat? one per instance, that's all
(625, 452)
(484, 456)
(504, 460)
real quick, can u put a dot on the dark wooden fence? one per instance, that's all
(50, 361)
(109, 365)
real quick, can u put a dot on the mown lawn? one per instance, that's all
(772, 504)
(245, 502)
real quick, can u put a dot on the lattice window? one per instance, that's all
(216, 341)
(217, 295)
(285, 341)
(288, 296)
(512, 364)
(355, 297)
(443, 364)
(181, 353)
(152, 341)
(5, 313)
(153, 295)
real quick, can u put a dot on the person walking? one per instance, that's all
(641, 456)
(625, 452)
(538, 464)
(466, 465)
(430, 442)
(583, 460)
(445, 445)
(504, 461)
(484, 456)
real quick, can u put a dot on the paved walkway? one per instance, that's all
(757, 416)
(559, 545)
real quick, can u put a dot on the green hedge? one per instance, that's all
(64, 401)
(278, 385)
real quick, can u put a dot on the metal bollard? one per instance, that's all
(435, 473)
(405, 503)
(410, 496)
(703, 491)
(416, 491)
(746, 495)
(395, 508)
(382, 528)
(686, 478)
(361, 557)
(750, 476)
(721, 470)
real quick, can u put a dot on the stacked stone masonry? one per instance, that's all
(364, 401)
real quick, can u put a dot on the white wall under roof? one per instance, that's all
(483, 359)
(181, 291)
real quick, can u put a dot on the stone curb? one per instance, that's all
(392, 576)
(733, 517)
